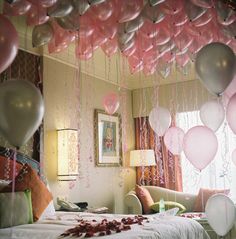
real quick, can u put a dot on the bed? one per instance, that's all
(56, 224)
(167, 227)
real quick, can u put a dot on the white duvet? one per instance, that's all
(164, 227)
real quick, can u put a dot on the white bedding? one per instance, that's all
(167, 227)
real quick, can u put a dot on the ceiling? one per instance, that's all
(114, 69)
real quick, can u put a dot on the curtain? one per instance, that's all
(167, 171)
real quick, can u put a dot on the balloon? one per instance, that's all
(128, 10)
(36, 15)
(111, 103)
(155, 2)
(225, 15)
(20, 100)
(8, 43)
(61, 9)
(212, 114)
(69, 22)
(230, 113)
(234, 157)
(123, 37)
(103, 11)
(81, 6)
(215, 65)
(110, 47)
(169, 8)
(193, 12)
(149, 29)
(174, 140)
(43, 3)
(16, 9)
(200, 146)
(153, 13)
(134, 25)
(220, 213)
(159, 120)
(42, 34)
(203, 3)
(95, 2)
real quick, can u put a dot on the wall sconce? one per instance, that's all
(67, 154)
(144, 157)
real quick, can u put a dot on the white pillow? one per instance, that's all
(4, 183)
(49, 211)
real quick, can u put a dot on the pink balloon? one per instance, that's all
(16, 9)
(135, 63)
(171, 8)
(182, 60)
(183, 40)
(110, 47)
(103, 10)
(111, 103)
(151, 56)
(203, 3)
(174, 140)
(52, 48)
(150, 68)
(8, 43)
(128, 10)
(230, 113)
(36, 15)
(143, 43)
(84, 49)
(86, 26)
(149, 30)
(200, 146)
(163, 37)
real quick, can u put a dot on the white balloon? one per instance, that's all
(160, 120)
(212, 114)
(233, 157)
(220, 212)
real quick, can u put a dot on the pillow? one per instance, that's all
(28, 179)
(6, 167)
(15, 209)
(145, 198)
(169, 205)
(3, 183)
(203, 195)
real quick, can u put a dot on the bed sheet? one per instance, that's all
(158, 227)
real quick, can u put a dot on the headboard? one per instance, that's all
(20, 158)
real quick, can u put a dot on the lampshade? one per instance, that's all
(67, 154)
(145, 157)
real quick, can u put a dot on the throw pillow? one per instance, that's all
(145, 198)
(28, 179)
(169, 205)
(15, 209)
(6, 167)
(202, 197)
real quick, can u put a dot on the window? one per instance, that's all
(221, 172)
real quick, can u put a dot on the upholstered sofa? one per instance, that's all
(134, 205)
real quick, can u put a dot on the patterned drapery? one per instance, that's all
(167, 172)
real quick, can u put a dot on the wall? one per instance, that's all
(99, 186)
(179, 97)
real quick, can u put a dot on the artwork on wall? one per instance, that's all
(107, 137)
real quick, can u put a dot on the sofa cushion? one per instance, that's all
(169, 205)
(145, 198)
(203, 195)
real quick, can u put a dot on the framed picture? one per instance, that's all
(108, 149)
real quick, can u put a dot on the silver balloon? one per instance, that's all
(155, 2)
(153, 13)
(70, 22)
(194, 12)
(22, 110)
(134, 25)
(81, 6)
(42, 34)
(61, 9)
(123, 36)
(95, 2)
(127, 45)
(215, 65)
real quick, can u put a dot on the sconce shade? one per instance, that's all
(67, 154)
(139, 158)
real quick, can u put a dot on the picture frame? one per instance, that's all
(107, 136)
